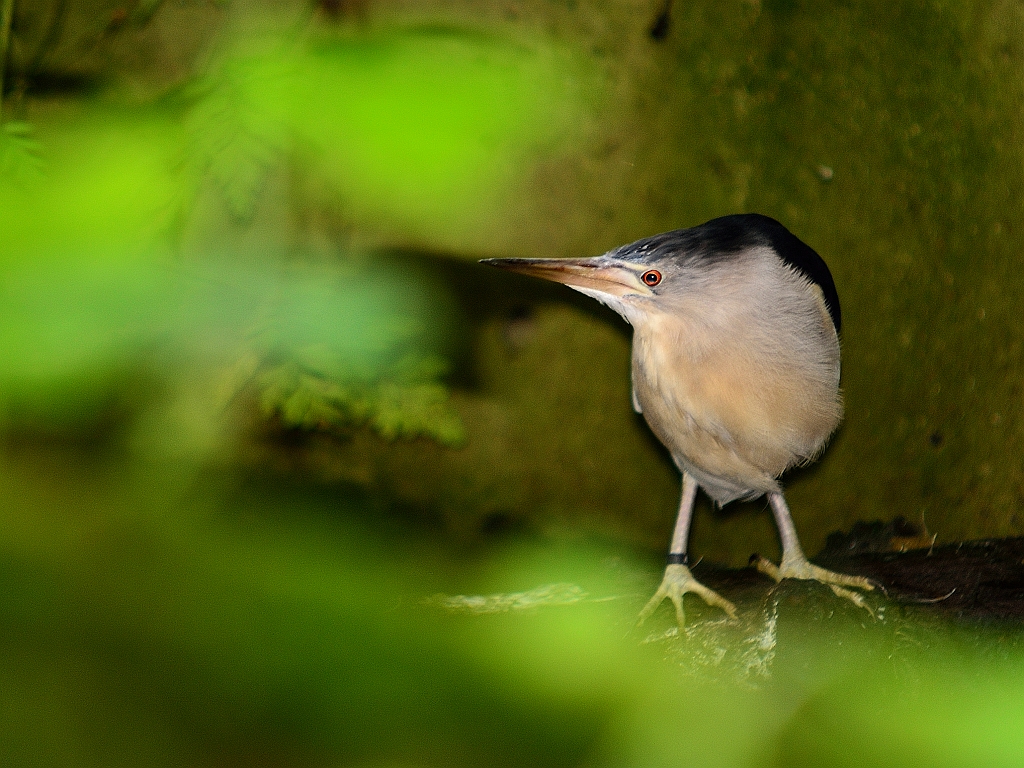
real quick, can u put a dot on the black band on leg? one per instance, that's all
(678, 558)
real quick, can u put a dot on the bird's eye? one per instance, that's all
(651, 277)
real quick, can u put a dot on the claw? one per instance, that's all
(676, 582)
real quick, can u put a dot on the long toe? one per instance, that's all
(802, 568)
(676, 582)
(766, 566)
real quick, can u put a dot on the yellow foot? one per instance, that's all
(801, 568)
(678, 581)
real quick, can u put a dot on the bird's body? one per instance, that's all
(712, 411)
(735, 365)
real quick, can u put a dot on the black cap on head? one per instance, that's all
(726, 236)
(743, 230)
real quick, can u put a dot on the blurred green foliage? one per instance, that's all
(432, 126)
(324, 352)
(107, 196)
(404, 406)
(19, 153)
(338, 353)
(427, 127)
(243, 621)
(423, 124)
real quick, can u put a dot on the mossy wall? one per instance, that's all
(915, 110)
(885, 135)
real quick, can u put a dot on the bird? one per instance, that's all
(735, 368)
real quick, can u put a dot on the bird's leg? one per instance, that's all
(678, 580)
(795, 564)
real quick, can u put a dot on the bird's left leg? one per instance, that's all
(795, 564)
(678, 580)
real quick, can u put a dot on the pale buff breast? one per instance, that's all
(738, 412)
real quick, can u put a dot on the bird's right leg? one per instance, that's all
(795, 564)
(678, 580)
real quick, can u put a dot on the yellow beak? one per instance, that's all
(597, 274)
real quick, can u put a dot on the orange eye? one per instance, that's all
(651, 277)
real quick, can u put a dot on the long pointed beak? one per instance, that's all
(595, 274)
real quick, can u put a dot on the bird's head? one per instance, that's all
(634, 280)
(621, 281)
(663, 272)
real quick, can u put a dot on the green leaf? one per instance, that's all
(20, 155)
(233, 136)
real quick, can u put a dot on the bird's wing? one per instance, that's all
(636, 402)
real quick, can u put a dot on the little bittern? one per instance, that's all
(735, 368)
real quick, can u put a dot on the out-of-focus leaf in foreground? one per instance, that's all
(430, 125)
(426, 128)
(20, 160)
(92, 301)
(252, 624)
(70, 341)
(108, 187)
